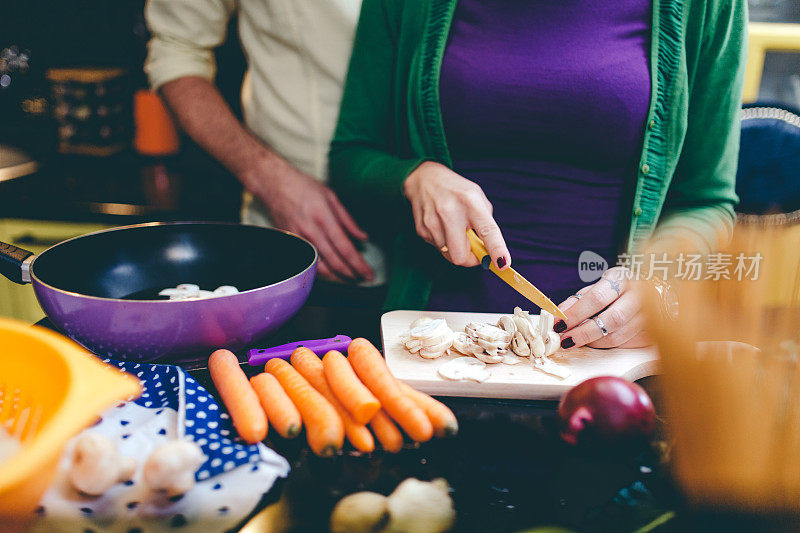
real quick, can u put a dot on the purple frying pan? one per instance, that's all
(101, 289)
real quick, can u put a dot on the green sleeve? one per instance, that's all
(702, 194)
(365, 168)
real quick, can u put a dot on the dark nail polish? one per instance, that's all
(567, 343)
(486, 262)
(560, 326)
(501, 262)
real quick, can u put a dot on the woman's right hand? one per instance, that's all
(445, 206)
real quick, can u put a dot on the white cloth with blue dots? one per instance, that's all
(230, 483)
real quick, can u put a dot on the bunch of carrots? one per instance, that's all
(334, 397)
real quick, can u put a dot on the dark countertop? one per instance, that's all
(508, 468)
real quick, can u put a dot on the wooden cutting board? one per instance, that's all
(519, 381)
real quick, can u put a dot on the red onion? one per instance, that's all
(608, 408)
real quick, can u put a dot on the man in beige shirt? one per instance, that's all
(297, 53)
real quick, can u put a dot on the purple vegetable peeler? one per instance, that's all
(259, 356)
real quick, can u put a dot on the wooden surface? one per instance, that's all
(519, 381)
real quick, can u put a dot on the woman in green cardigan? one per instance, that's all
(551, 128)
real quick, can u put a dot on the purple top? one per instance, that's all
(544, 104)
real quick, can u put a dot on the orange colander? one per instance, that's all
(50, 389)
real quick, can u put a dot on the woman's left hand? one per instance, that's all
(607, 314)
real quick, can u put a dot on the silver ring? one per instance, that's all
(600, 325)
(614, 285)
(577, 296)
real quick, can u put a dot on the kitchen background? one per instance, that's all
(83, 147)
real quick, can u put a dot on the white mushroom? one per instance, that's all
(545, 329)
(553, 344)
(170, 468)
(420, 507)
(546, 322)
(464, 369)
(519, 345)
(465, 344)
(550, 367)
(428, 337)
(437, 350)
(421, 321)
(506, 323)
(525, 327)
(487, 332)
(97, 465)
(225, 290)
(490, 358)
(511, 359)
(538, 348)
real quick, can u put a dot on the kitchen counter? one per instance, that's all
(508, 468)
(122, 189)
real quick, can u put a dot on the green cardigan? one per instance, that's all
(390, 122)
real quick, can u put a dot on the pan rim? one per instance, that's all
(35, 278)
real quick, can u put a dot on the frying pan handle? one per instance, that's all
(15, 263)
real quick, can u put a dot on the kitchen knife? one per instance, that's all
(512, 277)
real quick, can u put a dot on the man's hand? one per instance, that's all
(298, 203)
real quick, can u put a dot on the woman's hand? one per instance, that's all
(610, 304)
(445, 206)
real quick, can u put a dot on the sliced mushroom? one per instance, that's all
(550, 367)
(546, 322)
(487, 332)
(437, 350)
(538, 348)
(430, 338)
(506, 323)
(489, 358)
(519, 345)
(465, 344)
(525, 327)
(464, 369)
(553, 344)
(511, 359)
(421, 321)
(493, 348)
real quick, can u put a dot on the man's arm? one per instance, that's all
(205, 116)
(180, 64)
(296, 202)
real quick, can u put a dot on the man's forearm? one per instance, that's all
(206, 117)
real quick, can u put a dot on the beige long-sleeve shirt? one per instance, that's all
(297, 53)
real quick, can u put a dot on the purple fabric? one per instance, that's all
(544, 104)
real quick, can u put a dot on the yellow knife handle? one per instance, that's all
(479, 249)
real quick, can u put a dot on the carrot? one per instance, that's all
(324, 428)
(353, 395)
(238, 396)
(386, 432)
(310, 367)
(371, 368)
(280, 410)
(443, 420)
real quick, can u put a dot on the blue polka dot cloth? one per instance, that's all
(204, 422)
(229, 483)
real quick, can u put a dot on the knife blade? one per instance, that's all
(513, 278)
